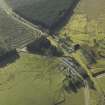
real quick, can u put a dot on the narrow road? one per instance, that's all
(86, 93)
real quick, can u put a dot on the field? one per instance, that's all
(42, 12)
(101, 82)
(35, 80)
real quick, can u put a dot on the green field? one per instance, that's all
(97, 97)
(35, 80)
(101, 82)
(94, 97)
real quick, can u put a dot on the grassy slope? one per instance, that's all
(75, 98)
(34, 80)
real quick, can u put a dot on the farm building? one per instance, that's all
(45, 13)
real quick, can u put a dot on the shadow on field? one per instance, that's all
(64, 19)
(43, 47)
(8, 58)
